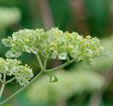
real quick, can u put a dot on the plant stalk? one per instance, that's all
(21, 89)
(61, 66)
(40, 62)
(10, 80)
(26, 86)
(3, 86)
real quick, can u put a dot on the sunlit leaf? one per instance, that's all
(53, 78)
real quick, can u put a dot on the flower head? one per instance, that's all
(55, 44)
(12, 67)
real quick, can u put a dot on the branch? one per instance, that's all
(3, 86)
(10, 80)
(61, 66)
(40, 62)
(20, 90)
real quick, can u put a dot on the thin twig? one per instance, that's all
(3, 86)
(20, 90)
(45, 64)
(9, 81)
(61, 66)
(40, 62)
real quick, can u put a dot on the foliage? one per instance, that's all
(69, 84)
(9, 16)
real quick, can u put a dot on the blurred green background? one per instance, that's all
(79, 84)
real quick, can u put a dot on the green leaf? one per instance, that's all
(53, 78)
(7, 105)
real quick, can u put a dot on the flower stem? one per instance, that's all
(45, 64)
(10, 80)
(26, 86)
(21, 89)
(40, 62)
(42, 54)
(3, 86)
(61, 66)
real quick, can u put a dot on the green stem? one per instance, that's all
(2, 89)
(20, 90)
(40, 62)
(10, 80)
(68, 58)
(42, 54)
(61, 66)
(1, 81)
(45, 64)
(3, 86)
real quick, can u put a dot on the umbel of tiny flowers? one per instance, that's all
(53, 44)
(11, 67)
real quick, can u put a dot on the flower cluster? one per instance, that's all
(54, 44)
(12, 67)
(61, 45)
(24, 40)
